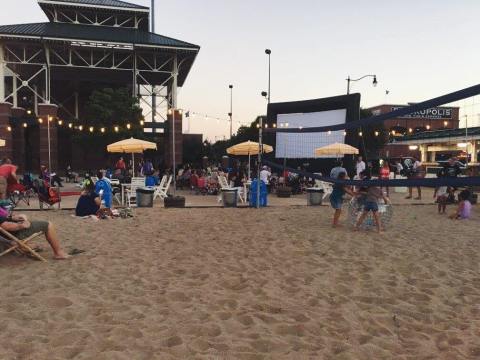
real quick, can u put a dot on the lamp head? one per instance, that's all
(264, 93)
(230, 86)
(268, 51)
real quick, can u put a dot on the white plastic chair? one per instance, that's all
(222, 180)
(162, 189)
(131, 192)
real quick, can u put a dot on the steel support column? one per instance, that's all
(2, 74)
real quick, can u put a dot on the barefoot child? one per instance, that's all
(441, 196)
(464, 206)
(336, 198)
(371, 204)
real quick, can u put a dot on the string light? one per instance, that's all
(445, 123)
(360, 133)
(410, 130)
(142, 122)
(128, 126)
(40, 120)
(9, 128)
(329, 132)
(274, 125)
(376, 133)
(29, 112)
(169, 111)
(428, 127)
(60, 122)
(80, 127)
(91, 129)
(102, 130)
(25, 125)
(115, 128)
(266, 126)
(50, 118)
(344, 133)
(70, 125)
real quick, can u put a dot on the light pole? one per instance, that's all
(268, 52)
(284, 125)
(374, 83)
(230, 114)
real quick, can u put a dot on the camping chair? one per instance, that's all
(162, 190)
(131, 192)
(327, 187)
(160, 186)
(222, 180)
(20, 246)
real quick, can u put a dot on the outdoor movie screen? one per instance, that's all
(303, 145)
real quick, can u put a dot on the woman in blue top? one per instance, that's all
(89, 201)
(104, 188)
(336, 198)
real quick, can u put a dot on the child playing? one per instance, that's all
(336, 198)
(464, 206)
(371, 204)
(441, 196)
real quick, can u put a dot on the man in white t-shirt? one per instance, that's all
(360, 166)
(265, 175)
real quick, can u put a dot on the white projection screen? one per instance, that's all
(303, 145)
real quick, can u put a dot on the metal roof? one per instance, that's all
(473, 133)
(61, 31)
(102, 3)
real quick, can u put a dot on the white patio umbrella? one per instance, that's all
(336, 149)
(248, 148)
(132, 146)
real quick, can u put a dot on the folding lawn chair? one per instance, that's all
(131, 192)
(12, 243)
(162, 190)
(222, 180)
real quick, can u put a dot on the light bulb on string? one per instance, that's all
(9, 128)
(376, 133)
(329, 132)
(70, 125)
(25, 125)
(142, 122)
(80, 127)
(129, 126)
(91, 129)
(60, 122)
(360, 133)
(102, 130)
(115, 128)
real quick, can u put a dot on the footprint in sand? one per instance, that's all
(58, 302)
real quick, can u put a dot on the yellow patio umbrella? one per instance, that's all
(132, 146)
(336, 149)
(248, 148)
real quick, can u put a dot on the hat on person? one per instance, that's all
(264, 167)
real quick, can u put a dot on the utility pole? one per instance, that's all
(154, 96)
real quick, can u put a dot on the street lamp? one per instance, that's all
(230, 114)
(268, 52)
(374, 83)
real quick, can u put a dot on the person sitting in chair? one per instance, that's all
(104, 188)
(22, 228)
(89, 201)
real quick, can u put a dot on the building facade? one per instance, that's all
(439, 118)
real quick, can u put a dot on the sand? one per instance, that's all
(242, 284)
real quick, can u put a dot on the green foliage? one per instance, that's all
(112, 107)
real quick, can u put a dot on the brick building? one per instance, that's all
(439, 118)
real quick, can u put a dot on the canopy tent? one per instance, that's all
(132, 146)
(336, 149)
(248, 148)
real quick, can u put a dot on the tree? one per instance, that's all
(110, 107)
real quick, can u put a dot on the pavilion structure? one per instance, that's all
(48, 70)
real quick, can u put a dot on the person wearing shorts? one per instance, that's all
(374, 194)
(336, 198)
(22, 228)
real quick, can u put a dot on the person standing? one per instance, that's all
(416, 172)
(120, 165)
(265, 177)
(385, 174)
(359, 166)
(337, 170)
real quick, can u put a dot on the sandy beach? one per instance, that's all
(230, 284)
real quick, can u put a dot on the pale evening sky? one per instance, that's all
(418, 50)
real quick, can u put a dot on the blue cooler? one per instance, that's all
(263, 194)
